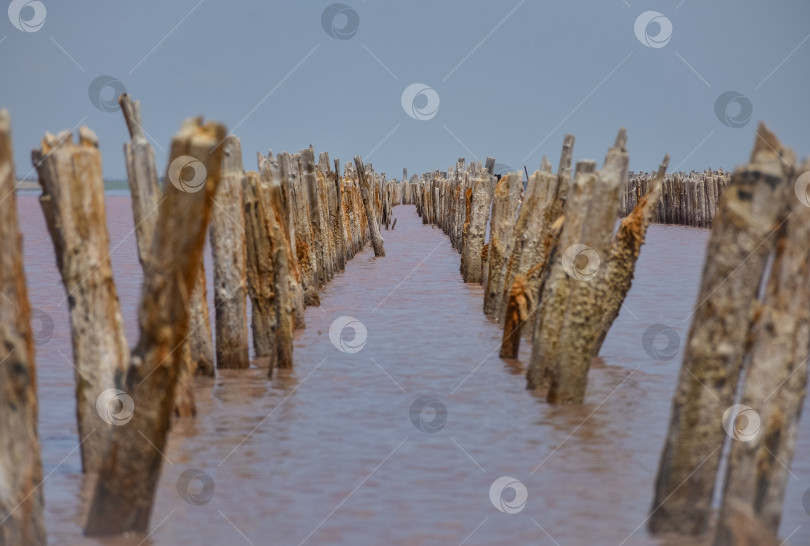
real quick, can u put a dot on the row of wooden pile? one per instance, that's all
(552, 261)
(687, 199)
(277, 235)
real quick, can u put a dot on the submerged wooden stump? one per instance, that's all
(72, 201)
(741, 240)
(132, 463)
(227, 235)
(21, 497)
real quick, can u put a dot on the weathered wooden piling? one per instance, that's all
(776, 380)
(504, 214)
(327, 194)
(316, 221)
(477, 201)
(304, 243)
(624, 251)
(142, 177)
(72, 201)
(227, 236)
(132, 463)
(741, 240)
(366, 193)
(520, 306)
(567, 324)
(339, 232)
(289, 220)
(260, 268)
(21, 497)
(146, 195)
(533, 238)
(200, 342)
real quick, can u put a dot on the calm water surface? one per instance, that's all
(327, 453)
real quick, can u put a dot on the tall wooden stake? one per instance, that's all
(21, 497)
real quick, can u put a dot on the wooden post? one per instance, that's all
(366, 193)
(520, 306)
(568, 319)
(200, 342)
(132, 464)
(326, 190)
(340, 230)
(146, 196)
(227, 235)
(142, 175)
(478, 201)
(289, 230)
(776, 380)
(623, 254)
(268, 269)
(504, 212)
(528, 248)
(304, 243)
(741, 240)
(309, 180)
(21, 497)
(273, 203)
(73, 203)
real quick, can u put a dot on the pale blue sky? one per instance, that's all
(526, 79)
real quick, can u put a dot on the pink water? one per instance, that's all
(327, 453)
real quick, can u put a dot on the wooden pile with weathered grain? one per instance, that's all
(21, 497)
(741, 331)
